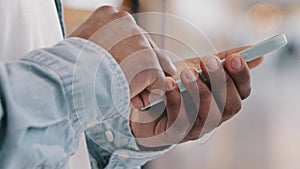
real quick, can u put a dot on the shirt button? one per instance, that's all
(123, 155)
(109, 136)
(92, 123)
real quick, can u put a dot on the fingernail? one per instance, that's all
(236, 63)
(211, 63)
(170, 85)
(190, 75)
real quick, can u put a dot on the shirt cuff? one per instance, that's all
(100, 101)
(109, 127)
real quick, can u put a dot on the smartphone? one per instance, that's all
(249, 54)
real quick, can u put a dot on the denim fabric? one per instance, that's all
(49, 98)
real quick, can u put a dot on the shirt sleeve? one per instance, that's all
(52, 95)
(110, 141)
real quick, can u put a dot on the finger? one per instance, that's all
(178, 119)
(143, 99)
(214, 72)
(165, 62)
(195, 62)
(142, 71)
(146, 92)
(222, 86)
(189, 78)
(233, 101)
(148, 97)
(208, 121)
(240, 74)
(202, 96)
(137, 102)
(184, 64)
(173, 103)
(142, 60)
(252, 64)
(208, 115)
(191, 100)
(224, 54)
(198, 90)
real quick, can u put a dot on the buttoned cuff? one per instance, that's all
(109, 127)
(89, 75)
(99, 98)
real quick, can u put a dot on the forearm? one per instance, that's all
(53, 94)
(42, 105)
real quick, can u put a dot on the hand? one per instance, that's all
(202, 108)
(141, 61)
(195, 62)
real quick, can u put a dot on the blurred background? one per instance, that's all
(265, 134)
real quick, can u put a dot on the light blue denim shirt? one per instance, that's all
(52, 95)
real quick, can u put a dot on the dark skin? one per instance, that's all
(186, 117)
(118, 33)
(208, 115)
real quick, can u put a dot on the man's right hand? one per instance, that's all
(142, 62)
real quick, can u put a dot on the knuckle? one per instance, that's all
(225, 118)
(106, 9)
(229, 82)
(160, 75)
(244, 76)
(247, 93)
(142, 42)
(195, 131)
(125, 15)
(155, 76)
(204, 93)
(194, 135)
(232, 108)
(207, 128)
(152, 76)
(212, 123)
(122, 14)
(237, 106)
(174, 104)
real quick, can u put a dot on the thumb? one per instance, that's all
(143, 72)
(144, 89)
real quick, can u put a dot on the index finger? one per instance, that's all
(165, 62)
(224, 54)
(252, 64)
